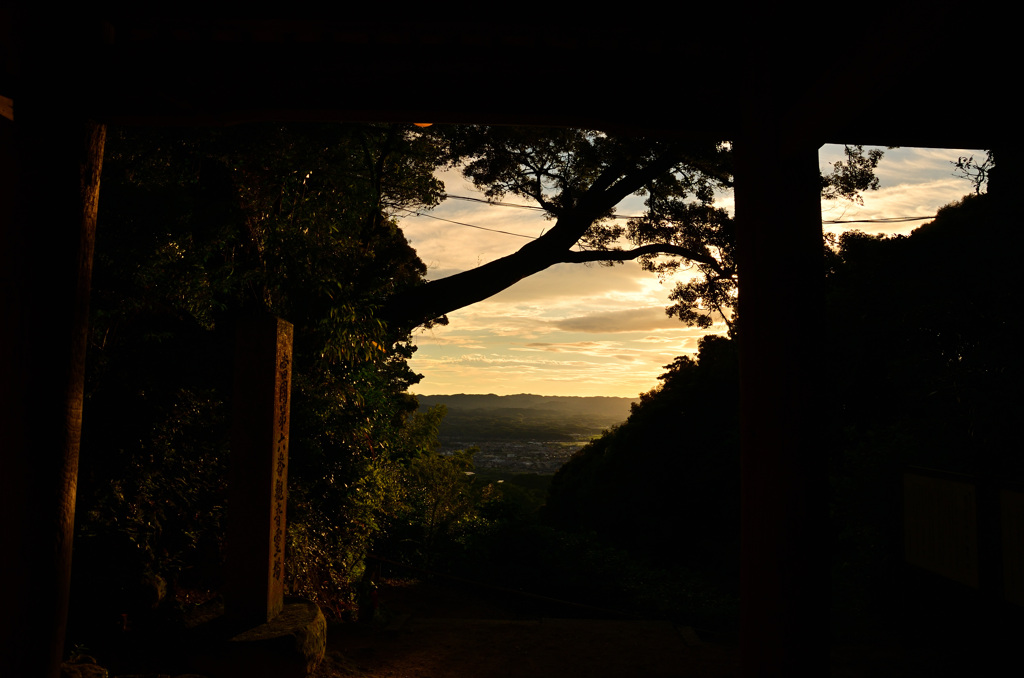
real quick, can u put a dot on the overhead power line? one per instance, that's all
(537, 208)
(494, 202)
(460, 223)
(882, 220)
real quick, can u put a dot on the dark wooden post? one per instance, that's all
(51, 171)
(255, 540)
(784, 593)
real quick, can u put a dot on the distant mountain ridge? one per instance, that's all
(475, 418)
(601, 406)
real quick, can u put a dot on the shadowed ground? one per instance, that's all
(439, 632)
(431, 631)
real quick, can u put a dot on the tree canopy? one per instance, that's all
(578, 177)
(197, 227)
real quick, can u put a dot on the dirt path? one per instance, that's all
(434, 632)
(438, 632)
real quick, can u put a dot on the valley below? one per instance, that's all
(524, 433)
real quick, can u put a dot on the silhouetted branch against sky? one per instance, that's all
(592, 329)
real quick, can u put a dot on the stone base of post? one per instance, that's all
(291, 645)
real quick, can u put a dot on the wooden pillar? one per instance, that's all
(47, 266)
(51, 171)
(784, 592)
(50, 160)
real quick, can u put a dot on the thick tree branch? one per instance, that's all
(438, 297)
(596, 203)
(654, 248)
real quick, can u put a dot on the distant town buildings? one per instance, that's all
(517, 456)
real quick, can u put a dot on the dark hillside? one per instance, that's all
(666, 482)
(923, 370)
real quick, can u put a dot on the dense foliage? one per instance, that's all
(925, 372)
(197, 227)
(922, 370)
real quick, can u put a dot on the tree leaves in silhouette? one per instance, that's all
(579, 177)
(966, 167)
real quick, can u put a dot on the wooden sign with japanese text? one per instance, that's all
(258, 489)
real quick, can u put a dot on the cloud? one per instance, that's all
(921, 165)
(557, 348)
(594, 349)
(914, 182)
(629, 320)
(904, 200)
(433, 339)
(677, 341)
(447, 247)
(571, 283)
(488, 373)
(604, 349)
(492, 323)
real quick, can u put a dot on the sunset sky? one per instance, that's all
(590, 330)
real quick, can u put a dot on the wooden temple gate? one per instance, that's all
(778, 86)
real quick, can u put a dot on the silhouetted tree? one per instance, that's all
(578, 177)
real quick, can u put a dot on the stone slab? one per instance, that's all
(291, 645)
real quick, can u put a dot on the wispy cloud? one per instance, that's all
(630, 320)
